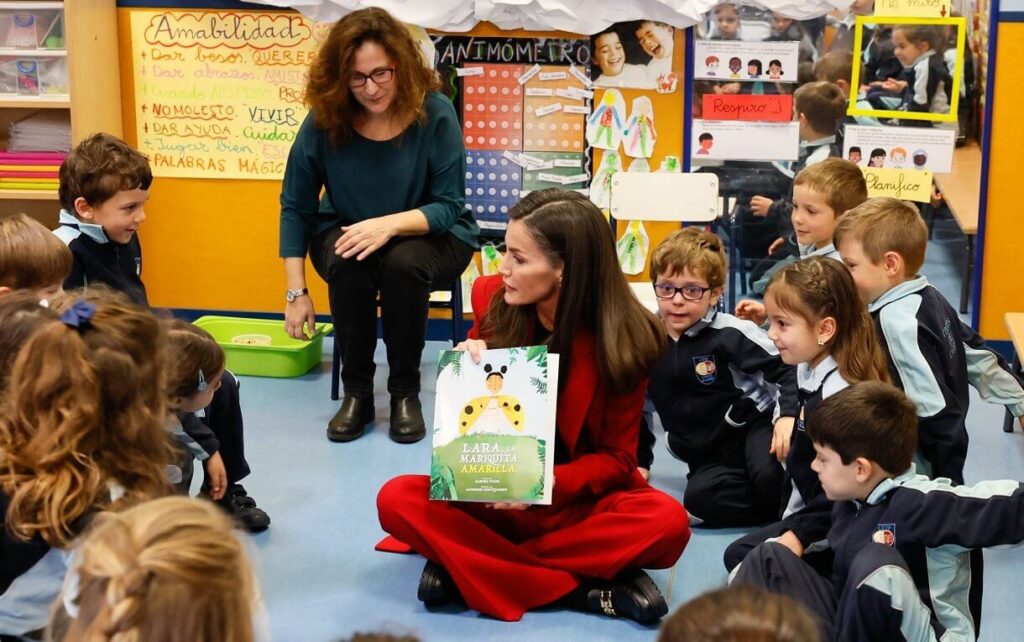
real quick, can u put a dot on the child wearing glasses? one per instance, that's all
(715, 389)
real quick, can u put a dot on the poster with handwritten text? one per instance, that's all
(219, 94)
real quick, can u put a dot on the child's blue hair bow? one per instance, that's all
(79, 315)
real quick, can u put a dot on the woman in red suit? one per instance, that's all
(560, 284)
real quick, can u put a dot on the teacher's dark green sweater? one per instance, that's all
(424, 169)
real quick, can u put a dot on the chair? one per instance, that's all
(450, 298)
(676, 198)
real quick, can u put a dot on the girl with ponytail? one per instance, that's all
(81, 430)
(170, 569)
(820, 325)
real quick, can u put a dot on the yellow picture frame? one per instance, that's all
(954, 92)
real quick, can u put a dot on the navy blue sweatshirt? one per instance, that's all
(721, 375)
(934, 356)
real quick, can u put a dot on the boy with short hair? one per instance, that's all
(819, 106)
(104, 184)
(904, 545)
(932, 354)
(822, 193)
(31, 258)
(657, 39)
(715, 388)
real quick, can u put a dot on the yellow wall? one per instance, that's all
(1002, 288)
(208, 244)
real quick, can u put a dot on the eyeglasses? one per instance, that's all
(379, 77)
(689, 292)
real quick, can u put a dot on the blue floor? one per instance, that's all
(322, 581)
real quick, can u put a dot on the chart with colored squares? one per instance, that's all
(525, 129)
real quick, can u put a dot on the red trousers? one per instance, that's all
(506, 562)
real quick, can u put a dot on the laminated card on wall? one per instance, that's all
(494, 426)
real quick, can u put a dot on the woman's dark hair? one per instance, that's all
(327, 91)
(574, 235)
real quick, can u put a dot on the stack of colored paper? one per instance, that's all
(30, 170)
(46, 130)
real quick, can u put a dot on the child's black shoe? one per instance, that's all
(237, 503)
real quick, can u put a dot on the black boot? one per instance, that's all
(407, 419)
(436, 586)
(237, 503)
(633, 594)
(350, 421)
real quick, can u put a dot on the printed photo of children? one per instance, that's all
(635, 55)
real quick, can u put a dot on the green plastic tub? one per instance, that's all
(261, 347)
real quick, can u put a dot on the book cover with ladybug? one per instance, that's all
(494, 426)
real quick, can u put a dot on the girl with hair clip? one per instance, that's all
(559, 284)
(170, 569)
(819, 324)
(195, 366)
(21, 314)
(81, 431)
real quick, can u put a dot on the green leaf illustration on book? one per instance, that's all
(492, 423)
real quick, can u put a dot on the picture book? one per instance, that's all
(494, 426)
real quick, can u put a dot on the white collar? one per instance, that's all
(810, 379)
(93, 231)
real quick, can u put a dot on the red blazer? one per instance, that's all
(598, 429)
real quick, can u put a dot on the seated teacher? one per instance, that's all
(559, 284)
(386, 149)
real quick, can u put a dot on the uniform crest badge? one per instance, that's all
(885, 534)
(705, 368)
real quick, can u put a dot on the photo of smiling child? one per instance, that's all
(656, 39)
(610, 56)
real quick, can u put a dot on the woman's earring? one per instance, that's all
(821, 341)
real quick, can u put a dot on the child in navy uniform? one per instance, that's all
(715, 388)
(194, 375)
(932, 355)
(924, 84)
(819, 325)
(904, 545)
(104, 184)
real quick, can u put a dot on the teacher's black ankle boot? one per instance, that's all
(350, 421)
(407, 419)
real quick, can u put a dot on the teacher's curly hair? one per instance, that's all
(328, 94)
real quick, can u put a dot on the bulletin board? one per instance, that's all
(220, 91)
(523, 104)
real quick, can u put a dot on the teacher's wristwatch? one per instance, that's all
(291, 295)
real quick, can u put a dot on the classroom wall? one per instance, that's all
(212, 244)
(1002, 288)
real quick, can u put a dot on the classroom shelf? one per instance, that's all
(35, 102)
(28, 195)
(21, 6)
(12, 52)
